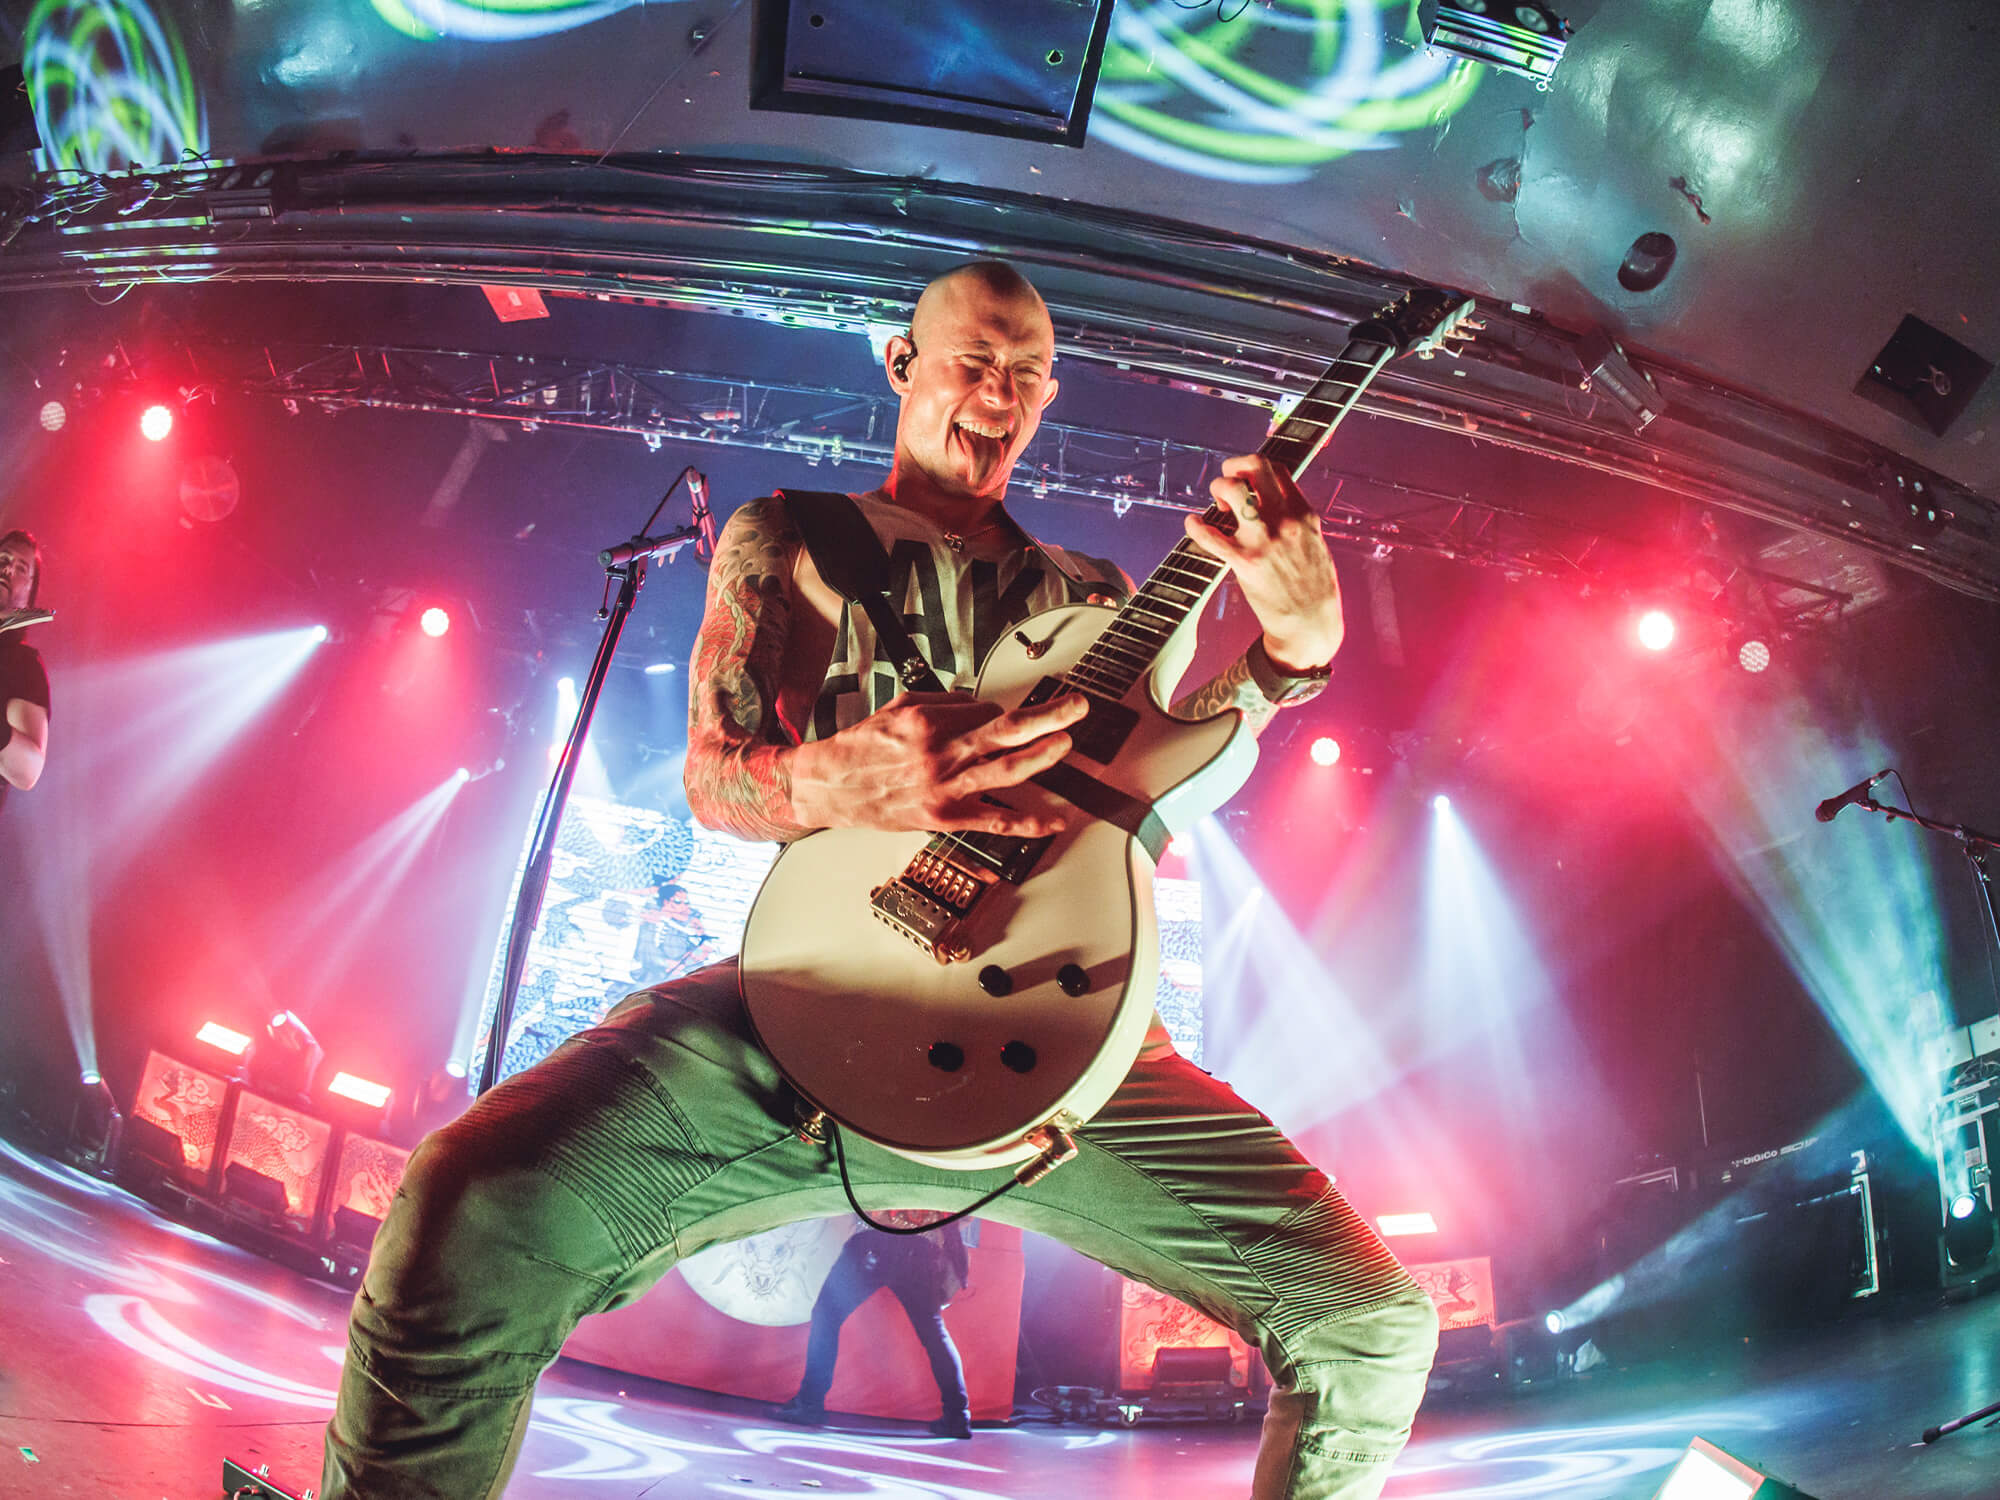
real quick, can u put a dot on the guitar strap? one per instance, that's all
(852, 562)
(849, 556)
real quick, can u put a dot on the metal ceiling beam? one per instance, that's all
(830, 424)
(806, 247)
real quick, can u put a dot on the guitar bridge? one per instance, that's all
(928, 904)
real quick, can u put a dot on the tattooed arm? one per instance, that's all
(738, 772)
(1230, 688)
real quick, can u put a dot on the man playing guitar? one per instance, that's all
(576, 1184)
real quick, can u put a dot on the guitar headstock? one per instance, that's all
(1423, 319)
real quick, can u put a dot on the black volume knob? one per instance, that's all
(995, 980)
(1072, 980)
(947, 1057)
(1018, 1055)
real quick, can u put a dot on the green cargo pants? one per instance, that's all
(576, 1184)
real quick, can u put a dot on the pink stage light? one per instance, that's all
(216, 1035)
(434, 621)
(155, 422)
(1325, 751)
(1656, 630)
(360, 1090)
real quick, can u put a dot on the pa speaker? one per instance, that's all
(1705, 1472)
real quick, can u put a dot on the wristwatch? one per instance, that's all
(1283, 687)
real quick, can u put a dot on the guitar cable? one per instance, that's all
(847, 1186)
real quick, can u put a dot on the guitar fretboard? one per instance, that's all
(1131, 644)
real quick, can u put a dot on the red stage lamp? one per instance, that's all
(1325, 750)
(54, 414)
(155, 422)
(435, 622)
(360, 1090)
(232, 1042)
(1656, 630)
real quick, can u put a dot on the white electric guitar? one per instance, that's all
(967, 999)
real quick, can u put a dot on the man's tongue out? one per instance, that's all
(986, 440)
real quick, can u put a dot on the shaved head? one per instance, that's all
(1000, 281)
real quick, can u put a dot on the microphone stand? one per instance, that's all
(626, 565)
(1977, 847)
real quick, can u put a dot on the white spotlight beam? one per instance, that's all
(347, 899)
(136, 735)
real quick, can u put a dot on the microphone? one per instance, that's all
(1830, 809)
(647, 546)
(704, 518)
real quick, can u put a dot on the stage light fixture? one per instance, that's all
(1527, 39)
(1705, 1472)
(1963, 1205)
(1656, 630)
(261, 1194)
(54, 414)
(91, 1078)
(217, 1035)
(1325, 750)
(1753, 654)
(320, 634)
(1441, 803)
(1393, 1225)
(1608, 372)
(360, 1090)
(1968, 1238)
(659, 668)
(1554, 1322)
(155, 422)
(354, 1230)
(434, 622)
(455, 1067)
(283, 1062)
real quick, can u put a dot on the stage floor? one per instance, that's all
(136, 1354)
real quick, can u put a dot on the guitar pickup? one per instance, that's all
(925, 921)
(1105, 725)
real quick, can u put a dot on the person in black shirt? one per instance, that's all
(24, 682)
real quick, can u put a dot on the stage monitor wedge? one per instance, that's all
(1024, 68)
(1705, 1472)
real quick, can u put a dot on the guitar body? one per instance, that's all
(919, 1055)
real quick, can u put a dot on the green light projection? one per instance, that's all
(111, 87)
(1271, 92)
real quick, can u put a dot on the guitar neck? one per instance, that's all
(1132, 643)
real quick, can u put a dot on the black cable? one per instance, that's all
(840, 1155)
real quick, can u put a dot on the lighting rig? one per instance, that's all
(833, 425)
